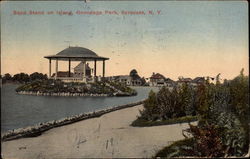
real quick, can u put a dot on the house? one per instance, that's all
(197, 81)
(78, 70)
(169, 83)
(158, 79)
(133, 79)
(182, 80)
(124, 79)
(136, 80)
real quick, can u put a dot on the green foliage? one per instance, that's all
(21, 77)
(223, 111)
(38, 76)
(141, 122)
(57, 86)
(207, 142)
(187, 100)
(177, 149)
(6, 77)
(239, 89)
(168, 104)
(234, 134)
(227, 106)
(150, 107)
(24, 78)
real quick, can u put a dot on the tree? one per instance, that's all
(186, 103)
(38, 76)
(218, 79)
(7, 77)
(21, 77)
(150, 107)
(165, 107)
(239, 88)
(133, 73)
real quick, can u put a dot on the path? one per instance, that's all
(107, 136)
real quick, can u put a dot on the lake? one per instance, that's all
(26, 110)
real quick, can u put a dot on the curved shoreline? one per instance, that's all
(60, 94)
(68, 94)
(36, 130)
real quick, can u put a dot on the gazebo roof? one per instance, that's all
(76, 54)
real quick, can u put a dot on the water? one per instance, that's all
(25, 110)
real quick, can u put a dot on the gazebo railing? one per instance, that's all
(74, 79)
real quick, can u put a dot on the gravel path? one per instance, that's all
(107, 136)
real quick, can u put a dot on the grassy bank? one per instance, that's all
(140, 122)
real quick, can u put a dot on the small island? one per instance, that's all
(59, 88)
(83, 81)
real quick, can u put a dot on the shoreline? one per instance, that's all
(38, 129)
(108, 136)
(63, 94)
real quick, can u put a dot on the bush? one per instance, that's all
(140, 122)
(55, 86)
(227, 107)
(207, 141)
(168, 104)
(150, 111)
(223, 113)
(177, 149)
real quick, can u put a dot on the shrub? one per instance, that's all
(223, 111)
(150, 111)
(207, 141)
(177, 149)
(168, 104)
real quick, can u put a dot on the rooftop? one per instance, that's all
(157, 76)
(76, 54)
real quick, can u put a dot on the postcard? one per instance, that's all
(122, 79)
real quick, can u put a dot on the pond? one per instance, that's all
(26, 110)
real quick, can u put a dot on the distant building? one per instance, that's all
(133, 79)
(198, 80)
(193, 82)
(136, 80)
(158, 79)
(78, 70)
(124, 79)
(182, 80)
(169, 83)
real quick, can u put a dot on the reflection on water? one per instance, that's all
(24, 110)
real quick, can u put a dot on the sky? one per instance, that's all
(188, 39)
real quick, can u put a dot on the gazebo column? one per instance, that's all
(103, 68)
(84, 71)
(69, 68)
(56, 68)
(95, 71)
(49, 68)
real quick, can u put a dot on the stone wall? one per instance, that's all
(60, 94)
(38, 129)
